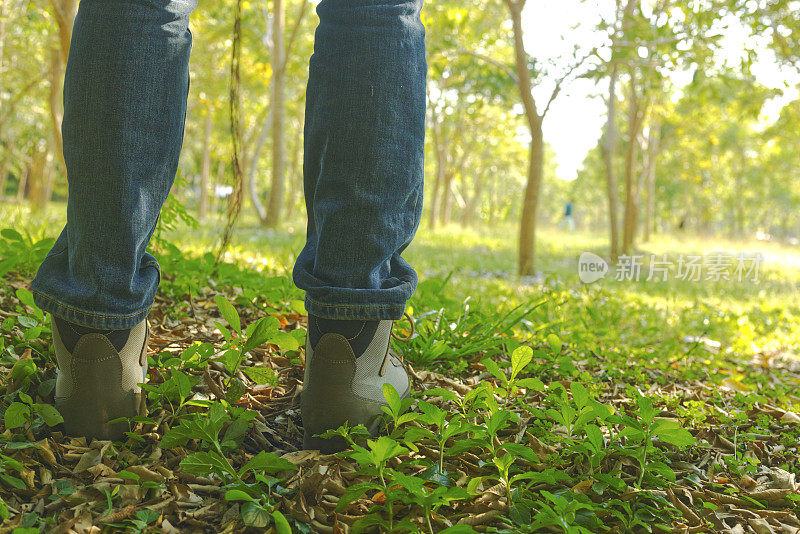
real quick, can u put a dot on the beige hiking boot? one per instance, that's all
(96, 383)
(339, 387)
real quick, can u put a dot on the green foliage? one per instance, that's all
(21, 253)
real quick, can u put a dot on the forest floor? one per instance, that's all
(540, 404)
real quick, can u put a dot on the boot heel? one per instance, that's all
(88, 415)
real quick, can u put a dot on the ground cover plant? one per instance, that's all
(539, 404)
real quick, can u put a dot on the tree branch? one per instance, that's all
(565, 77)
(505, 68)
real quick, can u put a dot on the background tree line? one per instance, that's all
(695, 157)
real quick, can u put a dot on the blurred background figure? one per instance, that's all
(568, 221)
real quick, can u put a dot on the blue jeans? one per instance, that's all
(125, 105)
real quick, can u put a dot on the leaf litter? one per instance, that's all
(522, 437)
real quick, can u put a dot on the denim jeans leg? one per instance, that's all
(124, 110)
(363, 159)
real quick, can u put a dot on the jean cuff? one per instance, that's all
(88, 318)
(363, 312)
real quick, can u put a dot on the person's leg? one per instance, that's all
(124, 108)
(363, 160)
(363, 177)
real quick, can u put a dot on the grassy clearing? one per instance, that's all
(540, 404)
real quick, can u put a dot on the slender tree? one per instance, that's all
(278, 113)
(535, 119)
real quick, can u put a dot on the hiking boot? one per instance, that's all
(344, 380)
(98, 378)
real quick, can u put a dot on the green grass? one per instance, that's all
(542, 402)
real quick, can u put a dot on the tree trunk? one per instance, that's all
(278, 110)
(441, 166)
(22, 187)
(205, 173)
(3, 20)
(650, 181)
(56, 113)
(251, 173)
(738, 202)
(468, 213)
(222, 168)
(631, 216)
(445, 213)
(295, 174)
(530, 203)
(492, 212)
(64, 11)
(609, 148)
(4, 161)
(37, 193)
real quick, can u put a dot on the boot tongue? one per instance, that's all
(358, 333)
(71, 333)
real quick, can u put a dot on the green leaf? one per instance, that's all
(10, 463)
(299, 307)
(557, 416)
(520, 358)
(671, 432)
(459, 529)
(26, 297)
(520, 450)
(371, 520)
(446, 394)
(254, 515)
(236, 390)
(595, 436)
(267, 462)
(392, 398)
(497, 421)
(493, 368)
(238, 495)
(205, 427)
(531, 383)
(238, 427)
(262, 375)
(11, 234)
(183, 384)
(473, 483)
(16, 415)
(646, 410)
(662, 469)
(32, 333)
(579, 394)
(264, 329)
(13, 481)
(414, 485)
(204, 463)
(49, 414)
(406, 417)
(285, 341)
(231, 359)
(127, 475)
(281, 524)
(432, 415)
(22, 369)
(383, 449)
(227, 311)
(555, 344)
(353, 493)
